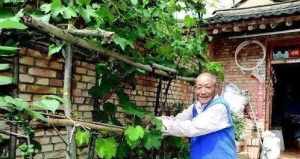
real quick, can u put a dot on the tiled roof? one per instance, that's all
(236, 14)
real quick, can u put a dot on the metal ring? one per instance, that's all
(241, 46)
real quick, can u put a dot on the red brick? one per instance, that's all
(78, 100)
(26, 78)
(42, 81)
(89, 79)
(42, 63)
(23, 51)
(77, 77)
(56, 65)
(40, 89)
(23, 69)
(76, 92)
(42, 72)
(80, 70)
(26, 97)
(91, 73)
(26, 60)
(80, 85)
(56, 82)
(85, 108)
(22, 87)
(37, 54)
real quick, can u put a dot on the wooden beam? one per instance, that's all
(63, 34)
(251, 27)
(215, 31)
(236, 29)
(262, 26)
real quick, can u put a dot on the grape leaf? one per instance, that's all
(152, 140)
(133, 134)
(106, 147)
(82, 137)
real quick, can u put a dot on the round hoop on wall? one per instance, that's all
(254, 70)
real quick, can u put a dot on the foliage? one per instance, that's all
(22, 113)
(216, 69)
(147, 31)
(239, 126)
(82, 137)
(106, 147)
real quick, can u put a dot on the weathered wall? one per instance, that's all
(43, 75)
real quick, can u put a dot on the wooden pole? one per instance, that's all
(71, 148)
(64, 35)
(14, 128)
(89, 32)
(100, 127)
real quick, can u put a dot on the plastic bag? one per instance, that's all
(271, 146)
(236, 100)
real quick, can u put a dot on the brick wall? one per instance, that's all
(224, 51)
(43, 75)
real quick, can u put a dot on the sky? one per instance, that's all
(213, 5)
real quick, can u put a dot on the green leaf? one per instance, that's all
(13, 1)
(11, 23)
(87, 13)
(82, 137)
(19, 103)
(134, 2)
(109, 108)
(101, 68)
(123, 98)
(69, 12)
(131, 108)
(37, 115)
(106, 85)
(46, 7)
(2, 101)
(56, 5)
(152, 141)
(58, 98)
(7, 50)
(4, 67)
(5, 80)
(123, 150)
(105, 14)
(122, 42)
(158, 123)
(83, 2)
(189, 21)
(134, 133)
(106, 147)
(48, 104)
(54, 48)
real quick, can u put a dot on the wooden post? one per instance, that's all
(71, 148)
(14, 128)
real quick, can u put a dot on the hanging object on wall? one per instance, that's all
(256, 71)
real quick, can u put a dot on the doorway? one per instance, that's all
(286, 103)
